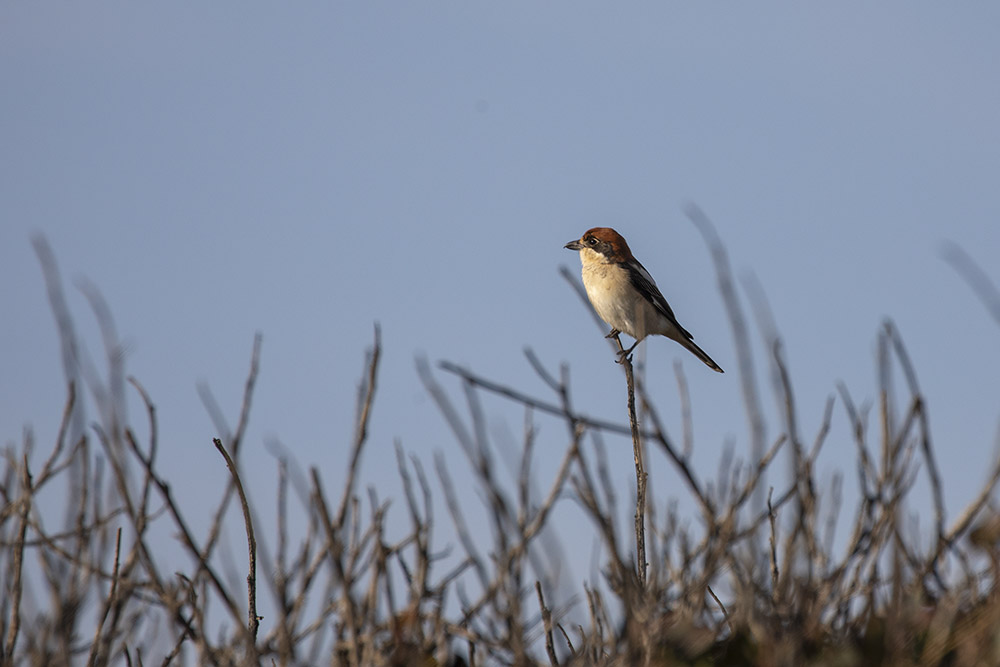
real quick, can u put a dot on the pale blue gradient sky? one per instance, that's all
(305, 170)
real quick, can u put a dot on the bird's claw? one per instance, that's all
(613, 333)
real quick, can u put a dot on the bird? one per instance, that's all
(625, 295)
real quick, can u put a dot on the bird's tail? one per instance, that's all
(701, 354)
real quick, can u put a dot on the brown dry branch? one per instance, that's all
(17, 561)
(234, 438)
(253, 621)
(640, 467)
(547, 623)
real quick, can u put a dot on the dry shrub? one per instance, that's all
(751, 577)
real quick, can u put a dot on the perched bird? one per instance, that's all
(624, 294)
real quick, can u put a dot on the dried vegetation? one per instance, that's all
(751, 575)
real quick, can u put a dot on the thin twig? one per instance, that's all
(18, 565)
(47, 469)
(366, 395)
(537, 404)
(99, 646)
(737, 321)
(774, 547)
(547, 624)
(640, 468)
(722, 607)
(234, 439)
(253, 622)
(975, 277)
(925, 432)
(687, 437)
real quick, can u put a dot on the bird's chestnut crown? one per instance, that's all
(604, 241)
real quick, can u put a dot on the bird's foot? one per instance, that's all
(626, 355)
(613, 333)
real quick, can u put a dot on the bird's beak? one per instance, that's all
(574, 245)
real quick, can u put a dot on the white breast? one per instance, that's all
(617, 302)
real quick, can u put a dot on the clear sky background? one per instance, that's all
(305, 170)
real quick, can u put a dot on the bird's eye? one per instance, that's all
(591, 240)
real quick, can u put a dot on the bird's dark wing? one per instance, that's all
(642, 281)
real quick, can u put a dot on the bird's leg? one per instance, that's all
(624, 354)
(613, 333)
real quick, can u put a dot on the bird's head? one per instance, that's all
(601, 244)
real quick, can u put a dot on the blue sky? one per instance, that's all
(305, 171)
